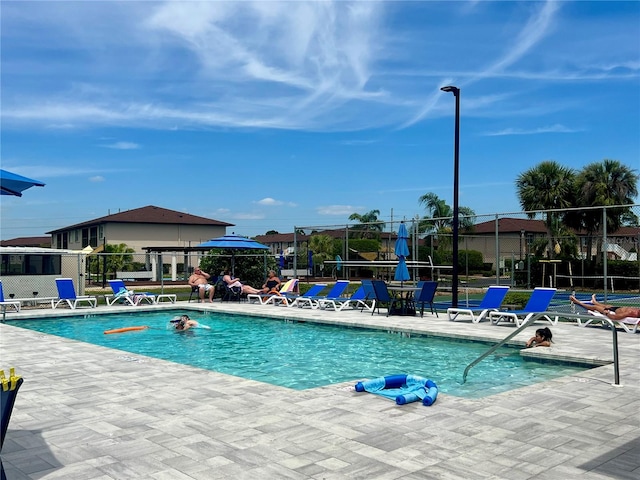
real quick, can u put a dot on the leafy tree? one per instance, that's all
(369, 226)
(547, 186)
(272, 232)
(323, 248)
(439, 219)
(440, 215)
(605, 183)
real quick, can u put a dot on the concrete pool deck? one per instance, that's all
(88, 412)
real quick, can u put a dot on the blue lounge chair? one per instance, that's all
(126, 296)
(425, 296)
(358, 299)
(312, 292)
(538, 302)
(67, 294)
(370, 295)
(491, 301)
(314, 301)
(4, 304)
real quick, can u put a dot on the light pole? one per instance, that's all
(456, 162)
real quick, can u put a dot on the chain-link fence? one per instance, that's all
(517, 249)
(523, 250)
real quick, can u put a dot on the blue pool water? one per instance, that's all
(306, 355)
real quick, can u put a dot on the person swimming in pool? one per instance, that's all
(183, 323)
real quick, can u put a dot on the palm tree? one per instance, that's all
(605, 183)
(369, 226)
(439, 220)
(547, 186)
(322, 247)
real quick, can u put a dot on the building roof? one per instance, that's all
(148, 214)
(518, 225)
(288, 237)
(511, 225)
(27, 242)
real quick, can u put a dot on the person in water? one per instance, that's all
(612, 312)
(184, 323)
(542, 338)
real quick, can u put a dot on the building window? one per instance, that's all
(93, 236)
(30, 264)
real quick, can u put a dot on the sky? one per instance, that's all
(275, 115)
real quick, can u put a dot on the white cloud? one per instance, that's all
(122, 146)
(338, 209)
(269, 202)
(272, 202)
(97, 178)
(533, 131)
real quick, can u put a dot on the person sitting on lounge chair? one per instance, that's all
(272, 285)
(200, 279)
(235, 282)
(610, 311)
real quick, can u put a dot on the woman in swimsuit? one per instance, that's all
(272, 285)
(611, 311)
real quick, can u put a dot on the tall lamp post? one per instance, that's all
(456, 162)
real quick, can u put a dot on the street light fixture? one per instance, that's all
(456, 162)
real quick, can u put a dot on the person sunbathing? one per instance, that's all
(610, 311)
(235, 282)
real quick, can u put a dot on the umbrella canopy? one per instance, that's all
(310, 261)
(233, 242)
(402, 251)
(14, 184)
(281, 260)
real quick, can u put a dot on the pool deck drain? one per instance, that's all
(89, 412)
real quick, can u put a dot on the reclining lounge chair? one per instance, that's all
(538, 302)
(67, 294)
(490, 302)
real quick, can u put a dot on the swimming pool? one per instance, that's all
(306, 355)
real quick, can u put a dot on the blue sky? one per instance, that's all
(272, 115)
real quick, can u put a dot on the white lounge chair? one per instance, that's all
(309, 294)
(356, 300)
(629, 324)
(538, 302)
(264, 298)
(126, 296)
(315, 301)
(4, 304)
(491, 301)
(67, 294)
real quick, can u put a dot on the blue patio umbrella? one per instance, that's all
(338, 262)
(14, 184)
(233, 242)
(281, 260)
(402, 252)
(310, 261)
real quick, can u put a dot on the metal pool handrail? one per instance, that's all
(533, 318)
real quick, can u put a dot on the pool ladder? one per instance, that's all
(616, 366)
